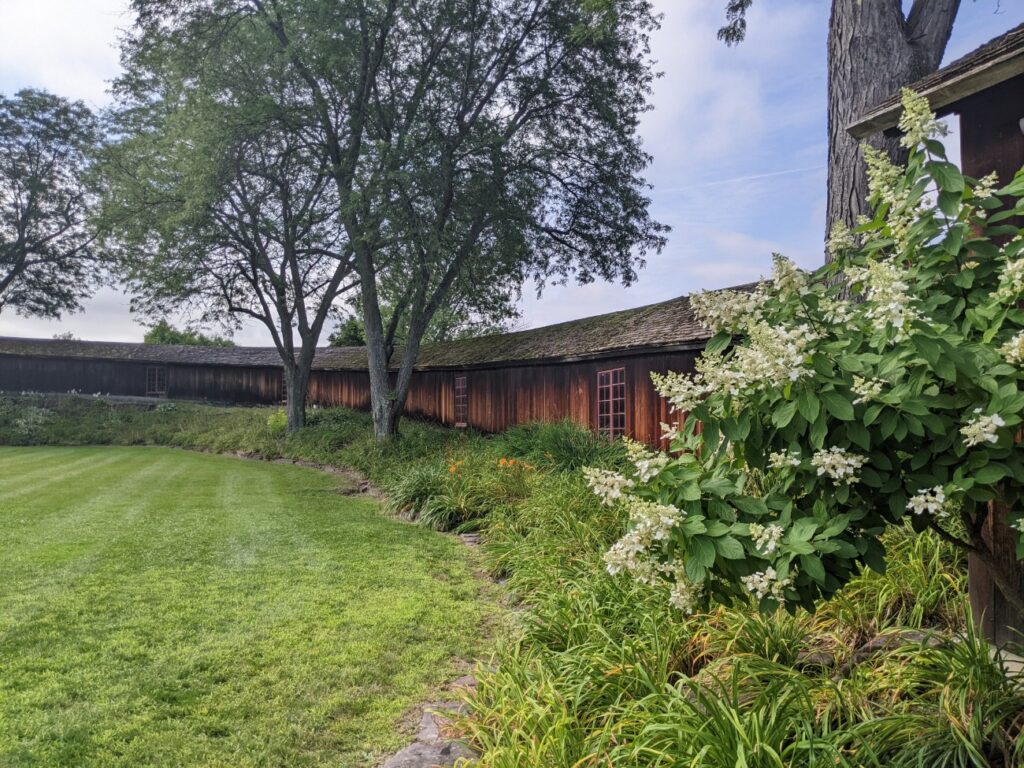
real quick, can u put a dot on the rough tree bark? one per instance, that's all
(297, 381)
(873, 51)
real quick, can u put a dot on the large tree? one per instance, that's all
(47, 261)
(874, 49)
(163, 332)
(221, 210)
(472, 145)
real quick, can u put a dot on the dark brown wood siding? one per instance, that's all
(497, 397)
(991, 140)
(501, 397)
(219, 384)
(990, 131)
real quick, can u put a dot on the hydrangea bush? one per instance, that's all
(814, 421)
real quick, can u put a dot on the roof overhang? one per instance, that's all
(945, 94)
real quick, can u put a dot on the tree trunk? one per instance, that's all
(378, 356)
(873, 51)
(297, 379)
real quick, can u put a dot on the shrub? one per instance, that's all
(277, 422)
(826, 421)
(473, 488)
(30, 422)
(599, 669)
(411, 488)
(562, 446)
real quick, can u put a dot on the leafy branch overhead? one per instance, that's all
(814, 423)
(48, 260)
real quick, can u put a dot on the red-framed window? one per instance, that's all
(611, 403)
(461, 402)
(156, 381)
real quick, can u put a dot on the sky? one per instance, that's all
(738, 137)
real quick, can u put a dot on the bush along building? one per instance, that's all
(595, 371)
(985, 89)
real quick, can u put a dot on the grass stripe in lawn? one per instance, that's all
(165, 608)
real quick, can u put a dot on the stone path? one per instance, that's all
(432, 748)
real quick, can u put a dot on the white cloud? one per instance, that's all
(65, 46)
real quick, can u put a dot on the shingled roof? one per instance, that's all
(665, 325)
(246, 357)
(995, 62)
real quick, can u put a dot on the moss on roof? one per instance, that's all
(666, 324)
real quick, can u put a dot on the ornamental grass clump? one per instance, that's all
(600, 669)
(816, 422)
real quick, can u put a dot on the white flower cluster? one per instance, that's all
(840, 239)
(986, 186)
(648, 464)
(1020, 525)
(652, 522)
(766, 537)
(867, 389)
(885, 182)
(884, 177)
(765, 583)
(776, 354)
(630, 554)
(982, 429)
(931, 501)
(669, 432)
(608, 485)
(836, 311)
(918, 121)
(731, 311)
(649, 523)
(787, 279)
(772, 357)
(1011, 281)
(781, 460)
(683, 391)
(838, 464)
(684, 594)
(1013, 350)
(886, 292)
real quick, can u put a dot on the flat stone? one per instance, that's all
(810, 659)
(434, 754)
(433, 717)
(466, 681)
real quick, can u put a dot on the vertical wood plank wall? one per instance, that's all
(218, 384)
(991, 140)
(501, 397)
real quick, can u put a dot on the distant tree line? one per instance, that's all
(165, 333)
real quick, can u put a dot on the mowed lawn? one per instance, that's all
(165, 608)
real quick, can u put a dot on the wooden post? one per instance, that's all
(999, 621)
(991, 139)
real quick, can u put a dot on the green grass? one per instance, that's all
(416, 470)
(166, 608)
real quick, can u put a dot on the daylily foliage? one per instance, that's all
(814, 422)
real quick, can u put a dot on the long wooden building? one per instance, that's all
(595, 371)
